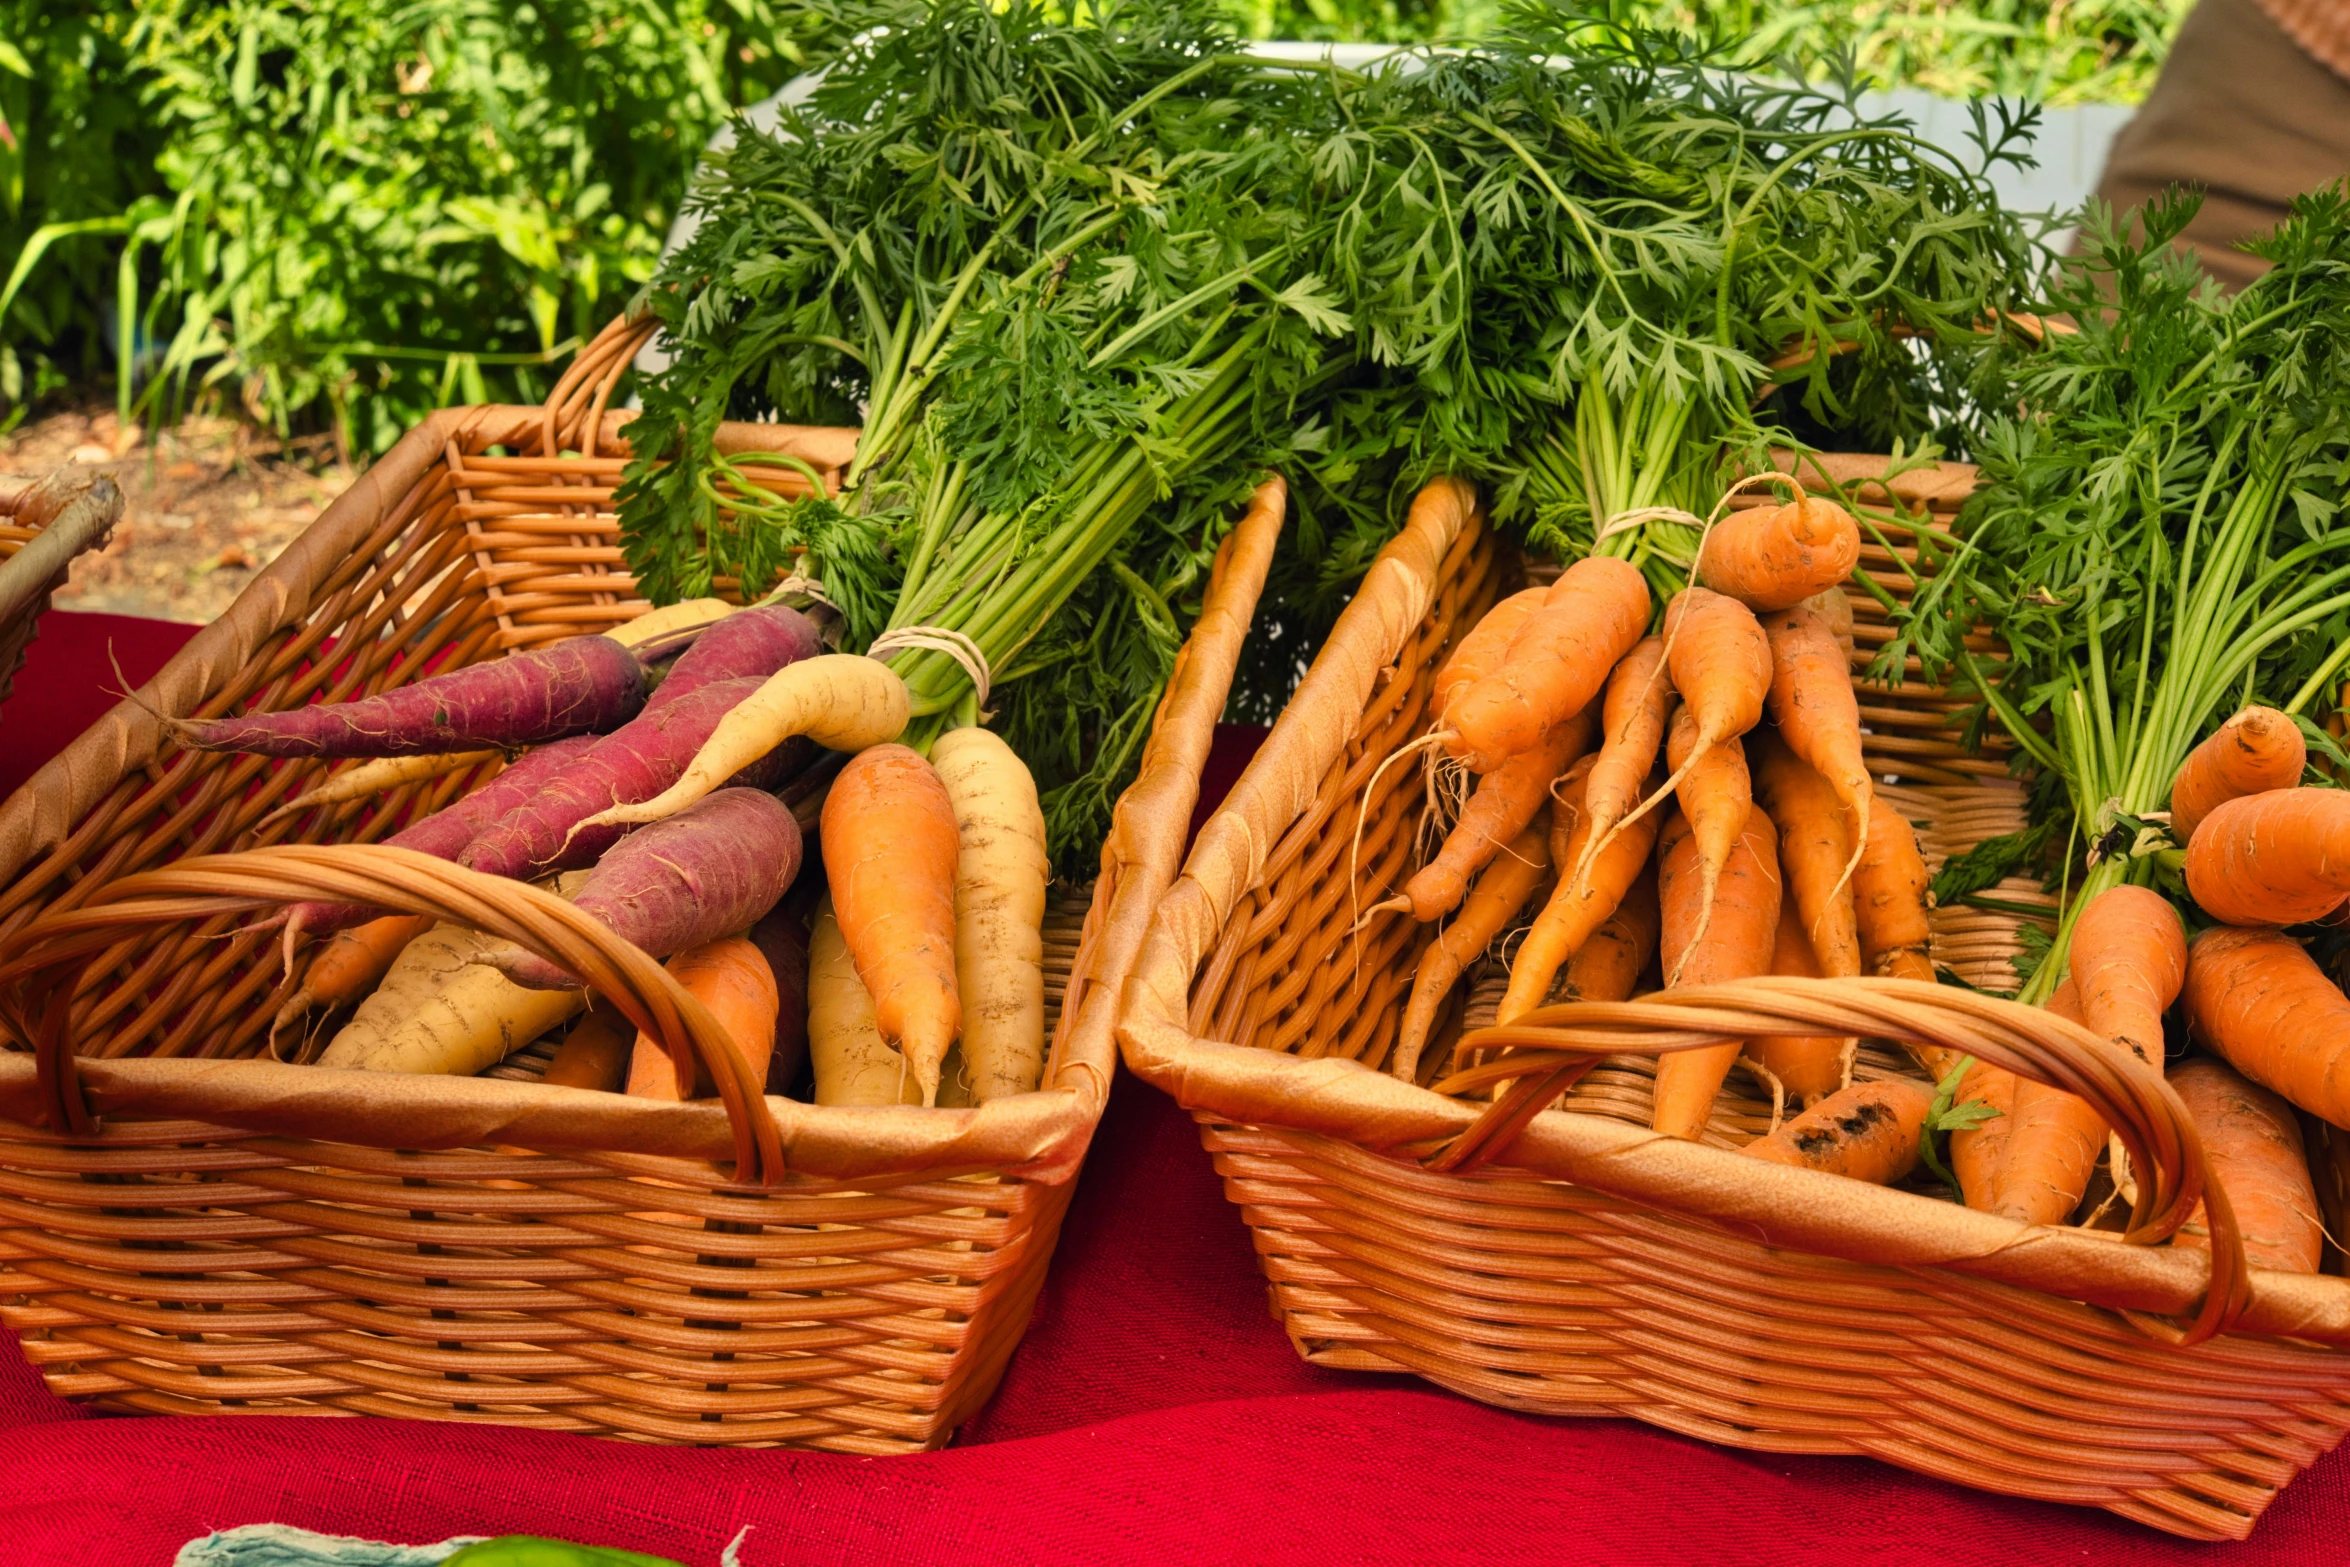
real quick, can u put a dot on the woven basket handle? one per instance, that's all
(1552, 1047)
(47, 958)
(575, 408)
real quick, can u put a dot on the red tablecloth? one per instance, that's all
(1154, 1412)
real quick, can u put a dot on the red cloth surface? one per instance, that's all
(1155, 1412)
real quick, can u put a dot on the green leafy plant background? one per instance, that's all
(341, 214)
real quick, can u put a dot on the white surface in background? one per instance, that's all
(2071, 145)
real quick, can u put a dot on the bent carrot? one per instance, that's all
(2052, 1145)
(2264, 1004)
(2253, 1141)
(2257, 750)
(1481, 649)
(1771, 557)
(2129, 956)
(1632, 723)
(1815, 851)
(1736, 945)
(1576, 909)
(1715, 796)
(1506, 799)
(890, 851)
(379, 776)
(1001, 870)
(842, 701)
(853, 1065)
(1591, 617)
(1818, 714)
(731, 978)
(2279, 858)
(1868, 1132)
(1808, 1067)
(1503, 890)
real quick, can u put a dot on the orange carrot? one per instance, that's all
(1720, 663)
(2052, 1147)
(2129, 957)
(1807, 1067)
(2259, 1000)
(1818, 714)
(1975, 1151)
(732, 979)
(1480, 651)
(890, 850)
(1578, 908)
(1815, 850)
(595, 1054)
(1501, 892)
(2253, 1141)
(1868, 1132)
(1632, 726)
(1770, 557)
(1889, 910)
(349, 963)
(1737, 945)
(1592, 617)
(1506, 799)
(1834, 607)
(2257, 750)
(1609, 965)
(2279, 858)
(1715, 796)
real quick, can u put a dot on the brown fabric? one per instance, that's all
(2248, 114)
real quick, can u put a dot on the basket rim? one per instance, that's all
(1039, 1136)
(1344, 1100)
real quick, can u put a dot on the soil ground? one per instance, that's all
(206, 505)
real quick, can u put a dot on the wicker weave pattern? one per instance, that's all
(210, 1249)
(1549, 1295)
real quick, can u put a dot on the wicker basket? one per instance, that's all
(186, 1229)
(44, 524)
(1575, 1263)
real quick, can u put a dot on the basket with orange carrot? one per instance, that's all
(1784, 1071)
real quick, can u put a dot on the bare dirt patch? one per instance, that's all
(205, 506)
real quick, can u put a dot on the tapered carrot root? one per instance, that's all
(349, 964)
(2259, 1000)
(1505, 800)
(1000, 876)
(890, 851)
(1890, 900)
(841, 701)
(2129, 956)
(1632, 726)
(1592, 617)
(1868, 1132)
(1975, 1151)
(1815, 851)
(2253, 1141)
(1609, 966)
(1818, 714)
(1835, 609)
(380, 776)
(1807, 1067)
(1737, 945)
(1771, 557)
(853, 1064)
(1720, 663)
(2280, 858)
(2257, 750)
(1501, 892)
(2052, 1145)
(1577, 908)
(1715, 796)
(1480, 652)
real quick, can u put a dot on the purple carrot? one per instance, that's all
(582, 685)
(782, 937)
(749, 642)
(633, 763)
(709, 871)
(445, 833)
